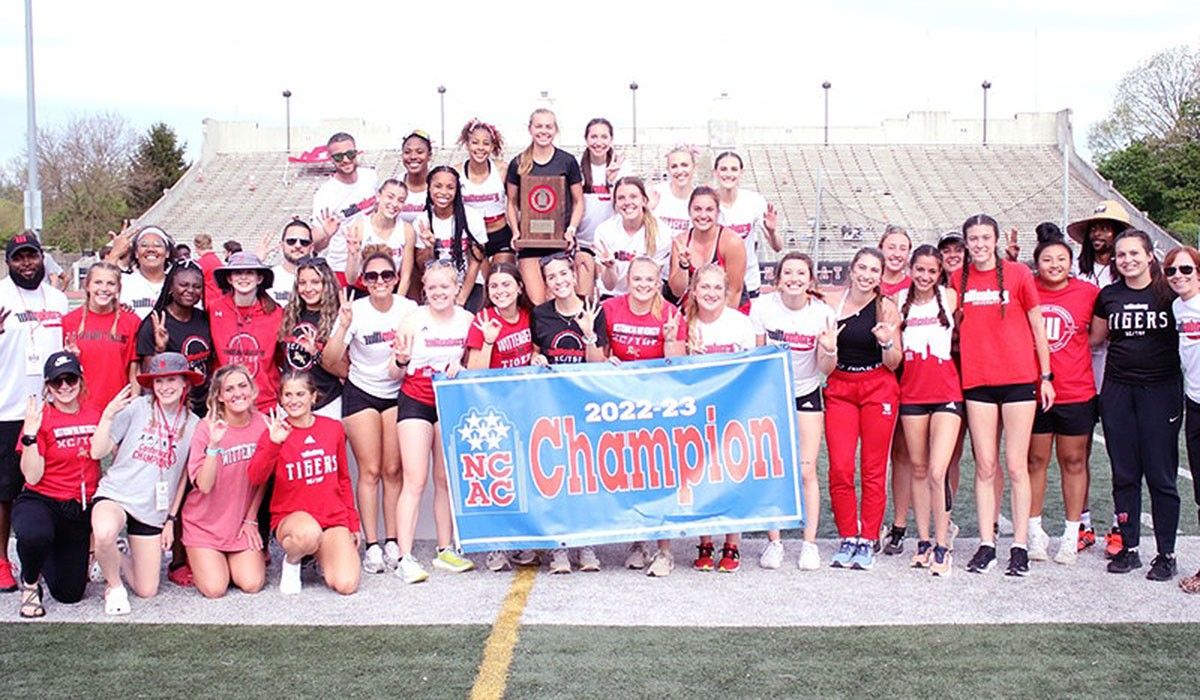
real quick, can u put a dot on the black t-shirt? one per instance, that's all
(294, 356)
(190, 338)
(561, 163)
(1143, 345)
(560, 339)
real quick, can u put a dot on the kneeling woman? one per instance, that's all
(220, 525)
(312, 505)
(142, 490)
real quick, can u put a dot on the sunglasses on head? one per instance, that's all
(439, 262)
(344, 155)
(387, 277)
(561, 255)
(65, 379)
(1181, 269)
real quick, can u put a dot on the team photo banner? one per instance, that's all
(589, 454)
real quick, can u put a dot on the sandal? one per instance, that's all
(31, 600)
(1191, 584)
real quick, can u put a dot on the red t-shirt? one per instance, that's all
(246, 336)
(1067, 313)
(311, 474)
(209, 262)
(890, 290)
(65, 443)
(998, 350)
(514, 345)
(104, 352)
(639, 337)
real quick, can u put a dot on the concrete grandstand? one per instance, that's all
(926, 172)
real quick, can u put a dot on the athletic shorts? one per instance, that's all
(410, 408)
(12, 480)
(1002, 394)
(355, 400)
(526, 253)
(1067, 418)
(133, 526)
(810, 402)
(498, 241)
(928, 409)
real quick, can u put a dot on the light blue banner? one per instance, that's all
(588, 454)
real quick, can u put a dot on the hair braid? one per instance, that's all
(1000, 282)
(942, 318)
(908, 300)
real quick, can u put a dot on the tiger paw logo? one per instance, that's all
(485, 442)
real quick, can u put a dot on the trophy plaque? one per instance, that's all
(543, 212)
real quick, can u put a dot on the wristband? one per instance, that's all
(170, 518)
(29, 440)
(250, 522)
(685, 265)
(886, 346)
(214, 451)
(590, 340)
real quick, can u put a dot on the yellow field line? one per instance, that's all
(497, 653)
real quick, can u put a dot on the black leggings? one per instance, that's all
(1191, 435)
(1141, 432)
(52, 541)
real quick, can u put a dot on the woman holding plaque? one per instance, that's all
(542, 159)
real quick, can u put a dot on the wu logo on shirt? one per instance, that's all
(485, 462)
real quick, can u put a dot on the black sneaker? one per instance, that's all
(895, 541)
(1018, 562)
(1125, 561)
(1162, 568)
(984, 559)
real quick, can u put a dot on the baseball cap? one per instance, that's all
(21, 241)
(61, 363)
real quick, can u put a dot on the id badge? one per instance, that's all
(34, 364)
(162, 496)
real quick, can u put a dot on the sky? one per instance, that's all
(181, 61)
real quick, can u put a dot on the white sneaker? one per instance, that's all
(411, 571)
(1039, 544)
(372, 562)
(560, 562)
(810, 557)
(952, 534)
(391, 555)
(116, 601)
(772, 555)
(289, 577)
(95, 573)
(588, 561)
(526, 557)
(1006, 526)
(1068, 549)
(498, 561)
(662, 564)
(637, 558)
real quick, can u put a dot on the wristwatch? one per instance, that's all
(1048, 377)
(29, 440)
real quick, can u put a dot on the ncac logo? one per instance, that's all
(487, 476)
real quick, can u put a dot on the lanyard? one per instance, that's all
(172, 431)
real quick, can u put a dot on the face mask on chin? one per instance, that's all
(29, 283)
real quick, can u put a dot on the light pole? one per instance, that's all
(442, 100)
(986, 85)
(33, 193)
(287, 118)
(825, 86)
(633, 86)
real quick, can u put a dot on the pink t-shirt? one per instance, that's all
(213, 520)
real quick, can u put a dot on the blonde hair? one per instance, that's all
(87, 297)
(691, 309)
(525, 160)
(649, 222)
(657, 303)
(216, 408)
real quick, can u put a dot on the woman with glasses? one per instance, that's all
(364, 335)
(1183, 274)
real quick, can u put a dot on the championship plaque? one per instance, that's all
(543, 212)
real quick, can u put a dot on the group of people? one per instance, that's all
(237, 400)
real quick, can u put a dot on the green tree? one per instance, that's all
(1154, 102)
(156, 166)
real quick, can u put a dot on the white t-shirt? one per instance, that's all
(396, 242)
(32, 332)
(337, 197)
(733, 331)
(924, 333)
(488, 197)
(672, 210)
(370, 340)
(798, 330)
(282, 286)
(437, 345)
(1101, 277)
(745, 217)
(139, 293)
(443, 237)
(414, 204)
(625, 247)
(1187, 322)
(597, 204)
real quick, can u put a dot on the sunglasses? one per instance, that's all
(344, 155)
(439, 262)
(1181, 269)
(372, 277)
(562, 255)
(65, 379)
(298, 241)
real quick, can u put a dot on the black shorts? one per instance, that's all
(498, 241)
(928, 409)
(586, 249)
(12, 480)
(810, 402)
(355, 400)
(133, 526)
(1067, 418)
(1002, 394)
(410, 408)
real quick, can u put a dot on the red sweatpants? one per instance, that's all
(860, 405)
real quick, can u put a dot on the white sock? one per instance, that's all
(1035, 523)
(1071, 531)
(289, 579)
(1086, 519)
